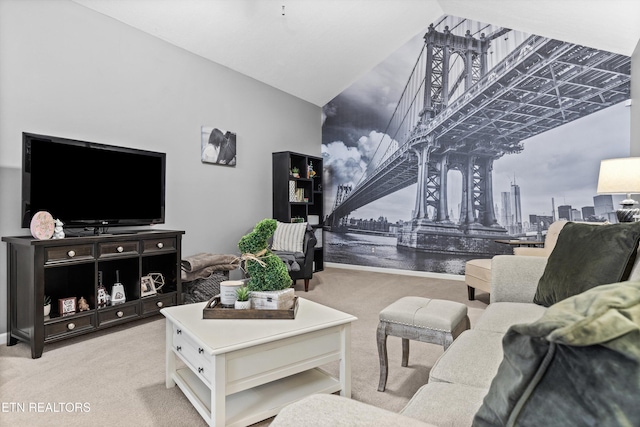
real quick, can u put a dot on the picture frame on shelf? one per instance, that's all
(147, 286)
(67, 306)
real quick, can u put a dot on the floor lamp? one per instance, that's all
(621, 176)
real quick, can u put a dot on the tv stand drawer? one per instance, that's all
(118, 249)
(117, 313)
(155, 304)
(57, 254)
(71, 326)
(160, 244)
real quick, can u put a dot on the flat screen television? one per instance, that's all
(91, 185)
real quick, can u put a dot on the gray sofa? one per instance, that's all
(462, 376)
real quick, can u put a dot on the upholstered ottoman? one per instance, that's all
(421, 319)
(477, 275)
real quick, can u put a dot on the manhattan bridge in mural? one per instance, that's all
(458, 114)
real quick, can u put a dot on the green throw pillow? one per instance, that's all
(587, 255)
(578, 365)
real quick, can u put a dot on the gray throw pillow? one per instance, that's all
(587, 255)
(579, 365)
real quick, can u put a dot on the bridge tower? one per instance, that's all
(438, 82)
(436, 156)
(342, 193)
(440, 85)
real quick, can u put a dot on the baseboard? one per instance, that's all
(445, 276)
(3, 338)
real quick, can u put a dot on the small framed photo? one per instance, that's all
(147, 287)
(67, 306)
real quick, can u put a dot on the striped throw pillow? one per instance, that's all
(289, 237)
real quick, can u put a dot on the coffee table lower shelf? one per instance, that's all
(256, 404)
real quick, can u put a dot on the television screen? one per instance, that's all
(85, 184)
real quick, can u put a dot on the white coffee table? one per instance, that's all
(241, 371)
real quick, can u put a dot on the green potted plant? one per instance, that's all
(242, 298)
(266, 271)
(295, 172)
(47, 305)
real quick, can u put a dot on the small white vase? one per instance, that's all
(242, 305)
(47, 310)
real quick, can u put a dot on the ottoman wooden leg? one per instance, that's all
(471, 293)
(382, 354)
(405, 352)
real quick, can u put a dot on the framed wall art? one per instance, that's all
(218, 146)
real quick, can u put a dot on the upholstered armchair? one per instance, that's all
(478, 271)
(294, 243)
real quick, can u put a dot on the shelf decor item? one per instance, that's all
(243, 301)
(158, 281)
(147, 286)
(58, 230)
(42, 225)
(47, 305)
(67, 306)
(265, 269)
(83, 305)
(273, 300)
(228, 290)
(215, 310)
(117, 291)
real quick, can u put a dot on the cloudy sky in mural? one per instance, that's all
(562, 163)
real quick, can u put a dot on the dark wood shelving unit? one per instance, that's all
(72, 267)
(299, 197)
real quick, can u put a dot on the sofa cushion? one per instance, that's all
(577, 365)
(327, 410)
(585, 256)
(289, 237)
(445, 404)
(472, 359)
(500, 316)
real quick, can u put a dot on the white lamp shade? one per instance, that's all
(619, 176)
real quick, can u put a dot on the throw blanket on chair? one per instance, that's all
(289, 259)
(201, 265)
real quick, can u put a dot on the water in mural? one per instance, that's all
(424, 170)
(382, 251)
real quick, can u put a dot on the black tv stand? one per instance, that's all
(72, 267)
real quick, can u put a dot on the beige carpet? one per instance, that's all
(116, 377)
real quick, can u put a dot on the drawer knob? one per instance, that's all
(120, 249)
(160, 245)
(71, 254)
(179, 348)
(71, 326)
(178, 331)
(200, 350)
(159, 304)
(200, 370)
(119, 314)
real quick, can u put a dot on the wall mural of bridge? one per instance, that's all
(489, 134)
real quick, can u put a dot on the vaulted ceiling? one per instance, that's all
(314, 49)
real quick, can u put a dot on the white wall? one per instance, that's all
(70, 72)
